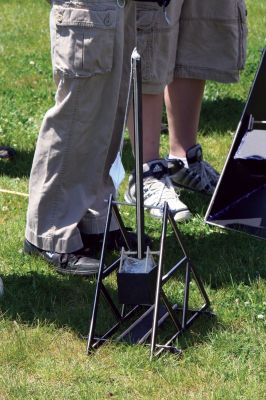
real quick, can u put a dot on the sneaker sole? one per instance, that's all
(62, 271)
(180, 216)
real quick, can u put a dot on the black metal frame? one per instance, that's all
(145, 326)
(137, 332)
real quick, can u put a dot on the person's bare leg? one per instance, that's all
(157, 189)
(183, 98)
(152, 105)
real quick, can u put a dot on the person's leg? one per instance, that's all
(152, 105)
(76, 134)
(156, 43)
(183, 99)
(94, 220)
(156, 39)
(207, 23)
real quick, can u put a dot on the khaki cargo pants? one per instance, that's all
(200, 39)
(91, 43)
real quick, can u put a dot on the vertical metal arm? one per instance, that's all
(138, 149)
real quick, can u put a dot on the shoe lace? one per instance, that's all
(210, 170)
(200, 168)
(157, 191)
(69, 260)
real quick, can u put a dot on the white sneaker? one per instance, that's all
(157, 188)
(199, 176)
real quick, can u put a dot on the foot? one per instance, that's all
(76, 263)
(199, 176)
(157, 188)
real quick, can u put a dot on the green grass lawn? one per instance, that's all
(44, 316)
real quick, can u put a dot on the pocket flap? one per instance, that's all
(86, 18)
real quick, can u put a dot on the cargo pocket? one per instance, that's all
(156, 43)
(242, 26)
(84, 40)
(145, 42)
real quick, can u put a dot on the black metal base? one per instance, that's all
(144, 320)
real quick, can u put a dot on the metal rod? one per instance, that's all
(159, 281)
(194, 317)
(99, 278)
(98, 341)
(176, 232)
(114, 328)
(135, 323)
(138, 149)
(111, 268)
(168, 343)
(109, 300)
(199, 283)
(160, 322)
(170, 273)
(170, 311)
(186, 295)
(121, 226)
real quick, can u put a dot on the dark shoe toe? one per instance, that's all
(76, 263)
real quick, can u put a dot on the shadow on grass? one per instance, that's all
(66, 302)
(35, 297)
(220, 115)
(220, 257)
(226, 257)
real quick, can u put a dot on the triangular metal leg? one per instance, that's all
(144, 328)
(160, 296)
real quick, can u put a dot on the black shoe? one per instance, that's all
(76, 263)
(93, 242)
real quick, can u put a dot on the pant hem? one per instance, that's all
(52, 243)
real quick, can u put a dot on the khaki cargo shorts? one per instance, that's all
(200, 39)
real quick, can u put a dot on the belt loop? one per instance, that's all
(121, 3)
